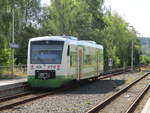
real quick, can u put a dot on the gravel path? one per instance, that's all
(77, 100)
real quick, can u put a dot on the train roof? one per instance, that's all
(69, 39)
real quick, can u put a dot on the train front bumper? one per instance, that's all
(50, 83)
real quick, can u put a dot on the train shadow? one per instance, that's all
(98, 87)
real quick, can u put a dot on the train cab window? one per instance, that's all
(68, 51)
(46, 52)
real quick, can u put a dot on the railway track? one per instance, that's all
(107, 104)
(21, 98)
(14, 89)
(137, 100)
(115, 73)
(12, 101)
(25, 85)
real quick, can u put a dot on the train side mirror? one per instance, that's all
(68, 51)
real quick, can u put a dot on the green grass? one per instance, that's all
(141, 73)
(75, 109)
(130, 79)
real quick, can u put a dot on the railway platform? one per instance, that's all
(147, 107)
(4, 83)
(11, 86)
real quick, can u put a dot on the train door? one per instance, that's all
(80, 63)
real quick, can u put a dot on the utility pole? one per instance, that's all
(132, 51)
(132, 55)
(13, 40)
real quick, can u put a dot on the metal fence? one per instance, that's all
(19, 71)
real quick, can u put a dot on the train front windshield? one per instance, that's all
(46, 52)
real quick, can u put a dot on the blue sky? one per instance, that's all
(135, 12)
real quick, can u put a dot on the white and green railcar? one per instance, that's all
(56, 60)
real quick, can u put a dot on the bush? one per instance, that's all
(145, 59)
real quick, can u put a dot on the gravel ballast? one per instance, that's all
(77, 100)
(123, 101)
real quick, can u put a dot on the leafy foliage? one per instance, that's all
(26, 14)
(145, 59)
(85, 19)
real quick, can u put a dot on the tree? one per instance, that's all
(71, 17)
(26, 16)
(117, 40)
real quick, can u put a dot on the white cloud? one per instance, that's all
(136, 12)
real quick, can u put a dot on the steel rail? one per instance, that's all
(107, 75)
(101, 105)
(138, 99)
(43, 94)
(113, 74)
(33, 97)
(3, 99)
(38, 96)
(24, 85)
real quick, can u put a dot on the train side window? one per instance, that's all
(68, 51)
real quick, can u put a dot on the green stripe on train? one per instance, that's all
(51, 83)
